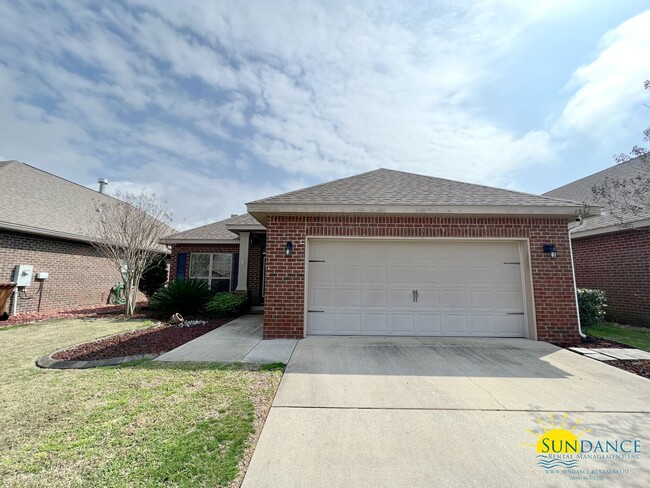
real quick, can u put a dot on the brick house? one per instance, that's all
(613, 254)
(45, 223)
(393, 253)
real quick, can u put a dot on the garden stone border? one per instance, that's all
(48, 362)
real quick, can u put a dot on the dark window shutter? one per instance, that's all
(181, 265)
(235, 271)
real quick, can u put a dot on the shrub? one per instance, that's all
(591, 304)
(227, 304)
(154, 277)
(186, 297)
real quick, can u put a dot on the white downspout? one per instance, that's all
(573, 270)
(14, 305)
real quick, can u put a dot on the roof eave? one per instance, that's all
(237, 228)
(261, 211)
(639, 224)
(200, 241)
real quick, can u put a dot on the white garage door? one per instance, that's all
(421, 288)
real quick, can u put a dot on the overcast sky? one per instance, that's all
(211, 104)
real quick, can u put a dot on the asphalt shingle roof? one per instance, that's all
(389, 187)
(214, 231)
(33, 200)
(581, 191)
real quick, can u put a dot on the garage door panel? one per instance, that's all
(452, 275)
(453, 299)
(463, 288)
(454, 324)
(321, 323)
(400, 297)
(509, 300)
(374, 275)
(509, 325)
(348, 323)
(376, 298)
(348, 274)
(322, 297)
(400, 274)
(481, 299)
(482, 325)
(349, 297)
(425, 275)
(506, 274)
(428, 324)
(321, 273)
(428, 298)
(376, 323)
(401, 324)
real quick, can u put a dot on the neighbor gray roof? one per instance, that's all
(421, 194)
(581, 191)
(217, 231)
(34, 201)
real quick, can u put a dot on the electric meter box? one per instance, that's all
(23, 274)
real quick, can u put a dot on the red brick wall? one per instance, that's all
(552, 279)
(255, 271)
(619, 264)
(78, 275)
(254, 256)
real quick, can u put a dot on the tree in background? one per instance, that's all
(628, 199)
(128, 230)
(154, 277)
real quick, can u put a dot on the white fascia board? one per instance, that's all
(246, 228)
(611, 228)
(258, 210)
(200, 241)
(45, 232)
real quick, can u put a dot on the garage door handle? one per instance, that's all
(413, 293)
(417, 296)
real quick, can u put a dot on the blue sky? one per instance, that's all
(213, 104)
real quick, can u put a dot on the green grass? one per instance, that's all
(141, 425)
(638, 337)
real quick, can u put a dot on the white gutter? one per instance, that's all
(573, 270)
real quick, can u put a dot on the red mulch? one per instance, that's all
(152, 340)
(31, 317)
(641, 368)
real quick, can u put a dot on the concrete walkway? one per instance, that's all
(239, 341)
(423, 412)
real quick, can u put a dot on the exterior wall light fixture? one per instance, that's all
(288, 248)
(550, 249)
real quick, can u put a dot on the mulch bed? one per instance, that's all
(31, 317)
(641, 367)
(151, 340)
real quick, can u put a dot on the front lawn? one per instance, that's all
(638, 337)
(142, 425)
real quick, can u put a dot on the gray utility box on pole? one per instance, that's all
(23, 275)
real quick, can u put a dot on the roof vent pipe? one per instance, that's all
(102, 184)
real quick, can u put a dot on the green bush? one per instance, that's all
(154, 277)
(591, 304)
(186, 297)
(227, 304)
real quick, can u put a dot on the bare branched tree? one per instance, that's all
(627, 199)
(128, 230)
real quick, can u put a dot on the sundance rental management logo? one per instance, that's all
(565, 448)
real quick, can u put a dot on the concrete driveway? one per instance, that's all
(423, 412)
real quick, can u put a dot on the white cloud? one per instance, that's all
(609, 89)
(211, 104)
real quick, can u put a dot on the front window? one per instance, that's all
(215, 269)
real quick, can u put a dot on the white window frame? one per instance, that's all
(209, 278)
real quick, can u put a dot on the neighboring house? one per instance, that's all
(393, 253)
(610, 256)
(45, 224)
